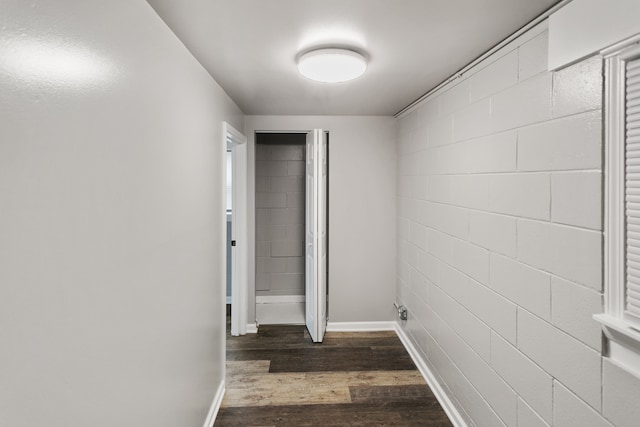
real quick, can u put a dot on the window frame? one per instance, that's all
(623, 339)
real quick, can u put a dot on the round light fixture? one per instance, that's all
(332, 65)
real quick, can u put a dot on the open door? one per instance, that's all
(316, 235)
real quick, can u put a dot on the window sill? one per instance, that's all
(624, 343)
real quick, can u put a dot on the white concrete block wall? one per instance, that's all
(500, 242)
(280, 219)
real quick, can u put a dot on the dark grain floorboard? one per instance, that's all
(419, 394)
(342, 359)
(352, 414)
(321, 359)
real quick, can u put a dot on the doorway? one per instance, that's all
(236, 226)
(291, 230)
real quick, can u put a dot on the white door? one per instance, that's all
(316, 235)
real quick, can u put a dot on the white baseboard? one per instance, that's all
(252, 328)
(215, 406)
(448, 406)
(274, 299)
(360, 326)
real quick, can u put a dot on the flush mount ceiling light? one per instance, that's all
(332, 65)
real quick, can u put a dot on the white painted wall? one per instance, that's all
(584, 27)
(111, 219)
(362, 189)
(500, 243)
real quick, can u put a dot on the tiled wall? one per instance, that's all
(280, 207)
(500, 243)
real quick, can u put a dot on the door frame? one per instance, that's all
(235, 140)
(252, 132)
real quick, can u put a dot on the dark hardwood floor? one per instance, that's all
(278, 377)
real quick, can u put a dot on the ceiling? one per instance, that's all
(250, 47)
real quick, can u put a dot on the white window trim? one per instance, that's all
(624, 340)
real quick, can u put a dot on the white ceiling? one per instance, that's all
(250, 46)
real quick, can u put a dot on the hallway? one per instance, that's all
(483, 172)
(278, 377)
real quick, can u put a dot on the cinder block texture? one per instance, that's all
(499, 175)
(280, 205)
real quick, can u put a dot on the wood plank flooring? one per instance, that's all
(278, 377)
